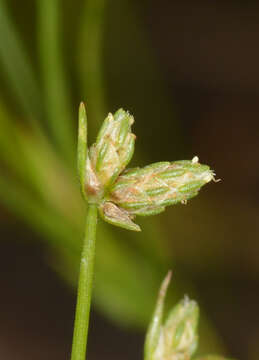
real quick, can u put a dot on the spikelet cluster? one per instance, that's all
(122, 194)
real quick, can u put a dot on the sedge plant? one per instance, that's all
(38, 201)
(118, 195)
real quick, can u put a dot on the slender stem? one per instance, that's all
(85, 286)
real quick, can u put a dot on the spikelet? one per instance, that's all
(176, 338)
(114, 147)
(149, 190)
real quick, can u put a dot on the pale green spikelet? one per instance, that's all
(148, 190)
(177, 338)
(179, 335)
(114, 147)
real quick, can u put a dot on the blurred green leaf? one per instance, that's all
(136, 82)
(56, 93)
(17, 68)
(90, 60)
(37, 215)
(9, 143)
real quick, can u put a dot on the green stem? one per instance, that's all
(85, 286)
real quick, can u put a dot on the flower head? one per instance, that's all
(122, 194)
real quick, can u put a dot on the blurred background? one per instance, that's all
(188, 72)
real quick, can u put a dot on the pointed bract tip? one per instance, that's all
(165, 283)
(82, 106)
(117, 216)
(168, 277)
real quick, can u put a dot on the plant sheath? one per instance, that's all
(85, 286)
